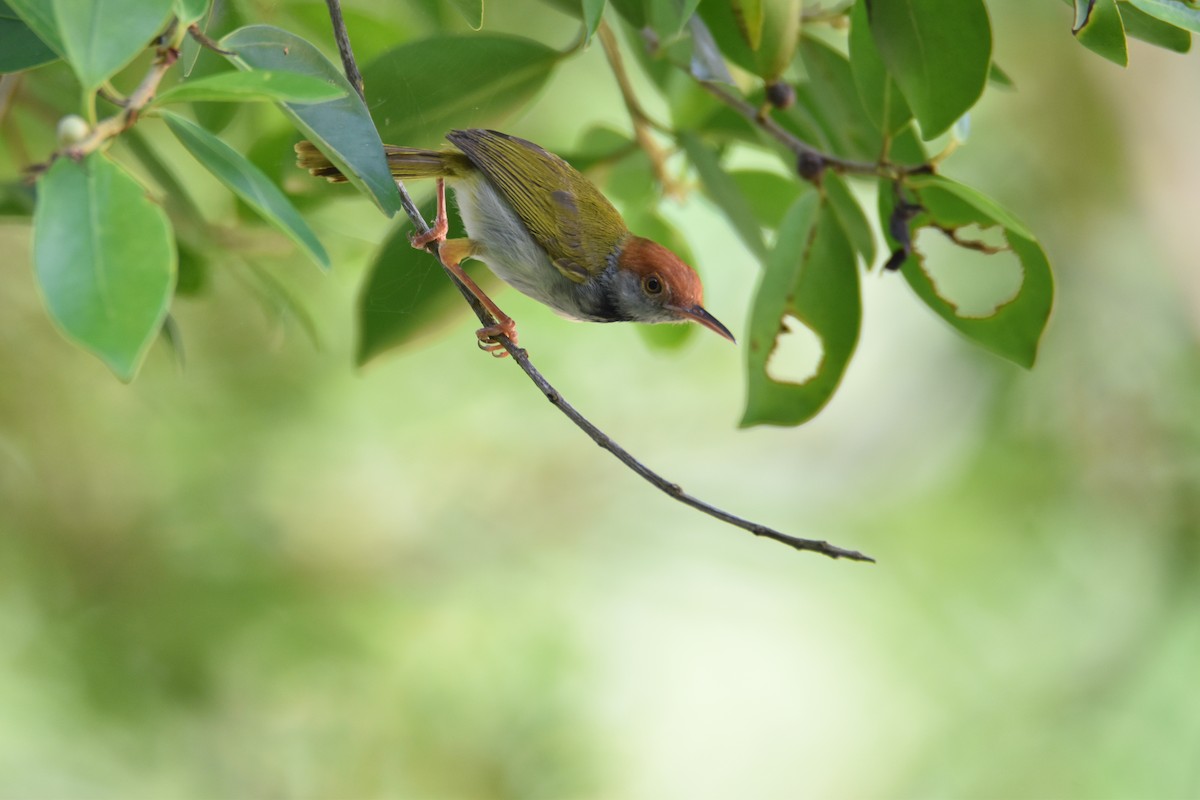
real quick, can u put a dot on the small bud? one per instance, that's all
(781, 94)
(810, 166)
(72, 129)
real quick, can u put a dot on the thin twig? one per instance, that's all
(342, 37)
(816, 159)
(166, 54)
(521, 357)
(641, 120)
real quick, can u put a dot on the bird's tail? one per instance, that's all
(406, 163)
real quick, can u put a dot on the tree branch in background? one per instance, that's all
(641, 121)
(810, 161)
(521, 357)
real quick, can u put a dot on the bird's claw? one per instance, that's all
(435, 234)
(490, 344)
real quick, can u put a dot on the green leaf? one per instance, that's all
(102, 36)
(651, 225)
(1098, 27)
(749, 15)
(593, 12)
(20, 47)
(420, 90)
(39, 16)
(1141, 25)
(811, 281)
(828, 99)
(1174, 12)
(407, 294)
(280, 87)
(877, 90)
(770, 194)
(780, 34)
(723, 191)
(104, 258)
(189, 11)
(1014, 328)
(247, 182)
(632, 11)
(938, 51)
(850, 214)
(343, 128)
(471, 11)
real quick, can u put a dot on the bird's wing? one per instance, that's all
(548, 194)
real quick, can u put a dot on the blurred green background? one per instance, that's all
(267, 574)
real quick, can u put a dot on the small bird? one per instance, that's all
(544, 229)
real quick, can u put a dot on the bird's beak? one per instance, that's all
(698, 314)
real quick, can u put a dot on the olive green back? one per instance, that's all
(567, 215)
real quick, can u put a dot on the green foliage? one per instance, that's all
(104, 259)
(842, 97)
(455, 82)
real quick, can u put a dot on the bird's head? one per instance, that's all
(655, 285)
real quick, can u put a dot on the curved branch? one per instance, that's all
(521, 357)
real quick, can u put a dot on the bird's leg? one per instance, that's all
(452, 252)
(440, 223)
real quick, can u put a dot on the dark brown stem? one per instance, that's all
(815, 160)
(521, 357)
(342, 37)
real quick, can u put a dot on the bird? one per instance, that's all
(543, 228)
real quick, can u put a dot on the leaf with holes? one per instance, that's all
(811, 281)
(937, 51)
(249, 183)
(104, 257)
(342, 128)
(1013, 329)
(420, 90)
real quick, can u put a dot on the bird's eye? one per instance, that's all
(652, 284)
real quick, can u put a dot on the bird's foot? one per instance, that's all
(435, 234)
(488, 341)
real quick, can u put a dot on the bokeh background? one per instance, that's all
(268, 574)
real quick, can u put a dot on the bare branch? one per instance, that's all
(342, 37)
(521, 357)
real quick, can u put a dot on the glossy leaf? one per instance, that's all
(249, 183)
(1014, 329)
(829, 99)
(1179, 14)
(407, 295)
(102, 36)
(342, 128)
(723, 191)
(593, 12)
(811, 278)
(104, 257)
(769, 194)
(850, 214)
(880, 96)
(1141, 25)
(189, 11)
(20, 47)
(422, 89)
(256, 85)
(780, 35)
(39, 16)
(1098, 27)
(938, 51)
(471, 11)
